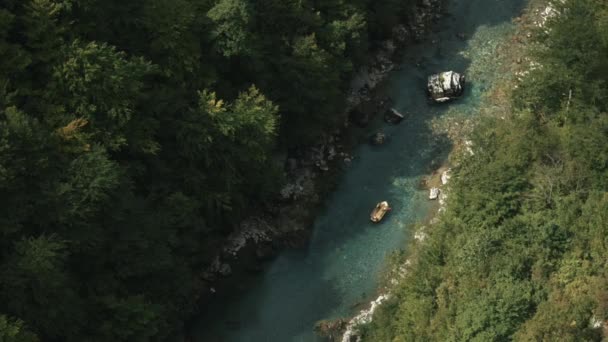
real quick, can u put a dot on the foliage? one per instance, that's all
(134, 135)
(12, 330)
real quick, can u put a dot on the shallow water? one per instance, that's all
(340, 267)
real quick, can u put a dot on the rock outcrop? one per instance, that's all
(445, 86)
(365, 316)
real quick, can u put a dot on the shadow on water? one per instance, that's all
(339, 267)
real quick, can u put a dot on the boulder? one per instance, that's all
(393, 117)
(378, 138)
(434, 194)
(445, 177)
(445, 86)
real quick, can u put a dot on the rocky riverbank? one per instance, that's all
(349, 329)
(513, 61)
(310, 172)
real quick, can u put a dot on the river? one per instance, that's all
(341, 264)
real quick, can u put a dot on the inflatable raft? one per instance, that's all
(379, 211)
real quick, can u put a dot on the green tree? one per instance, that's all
(231, 32)
(102, 85)
(14, 330)
(37, 287)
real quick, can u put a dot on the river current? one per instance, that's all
(341, 265)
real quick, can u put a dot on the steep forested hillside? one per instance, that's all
(131, 131)
(521, 250)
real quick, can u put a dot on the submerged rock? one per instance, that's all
(378, 138)
(332, 329)
(445, 86)
(434, 193)
(393, 117)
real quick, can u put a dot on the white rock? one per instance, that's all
(442, 99)
(548, 13)
(434, 194)
(445, 176)
(445, 86)
(469, 147)
(420, 236)
(442, 198)
(364, 317)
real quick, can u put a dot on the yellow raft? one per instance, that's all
(379, 211)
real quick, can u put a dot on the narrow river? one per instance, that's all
(340, 267)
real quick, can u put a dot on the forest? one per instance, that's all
(134, 133)
(520, 253)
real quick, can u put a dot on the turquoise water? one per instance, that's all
(340, 266)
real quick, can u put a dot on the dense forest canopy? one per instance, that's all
(520, 253)
(132, 131)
